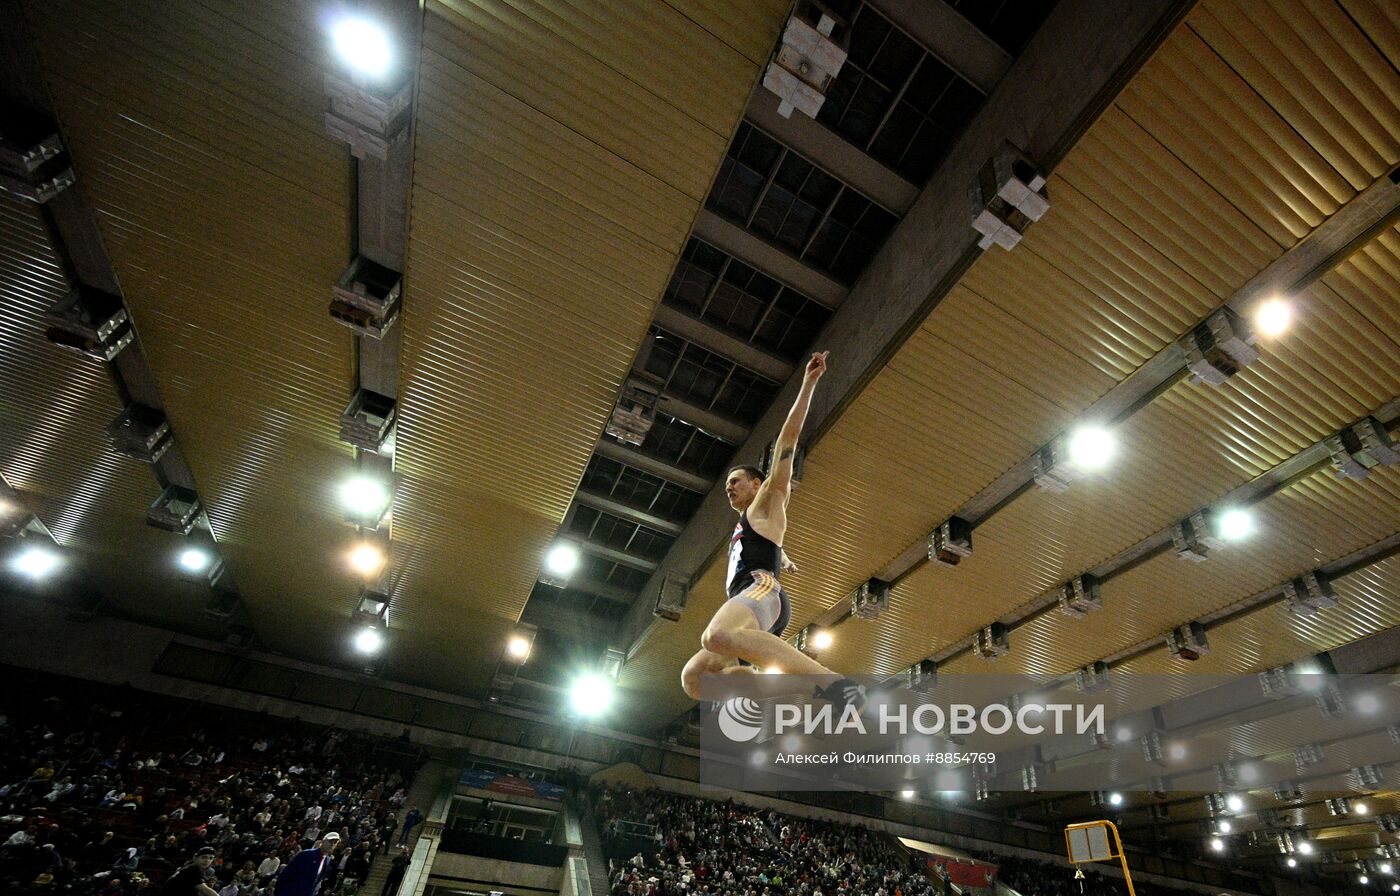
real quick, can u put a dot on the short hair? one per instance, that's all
(750, 470)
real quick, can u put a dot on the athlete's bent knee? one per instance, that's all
(719, 640)
(690, 683)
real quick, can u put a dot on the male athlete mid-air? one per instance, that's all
(750, 625)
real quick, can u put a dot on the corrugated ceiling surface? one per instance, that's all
(1154, 221)
(196, 131)
(54, 408)
(560, 160)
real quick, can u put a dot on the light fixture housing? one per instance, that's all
(368, 421)
(367, 297)
(951, 542)
(1219, 347)
(176, 509)
(1188, 642)
(90, 322)
(372, 608)
(141, 432)
(871, 599)
(34, 163)
(992, 642)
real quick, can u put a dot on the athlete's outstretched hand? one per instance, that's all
(816, 367)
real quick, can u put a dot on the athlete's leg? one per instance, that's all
(703, 663)
(734, 632)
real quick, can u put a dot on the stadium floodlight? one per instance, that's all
(1235, 524)
(521, 642)
(35, 562)
(365, 500)
(1091, 447)
(1272, 317)
(591, 695)
(562, 560)
(363, 45)
(369, 640)
(194, 560)
(367, 559)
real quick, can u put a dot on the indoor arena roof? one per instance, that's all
(601, 197)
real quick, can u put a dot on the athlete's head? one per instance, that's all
(741, 485)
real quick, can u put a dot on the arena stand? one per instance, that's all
(107, 790)
(662, 844)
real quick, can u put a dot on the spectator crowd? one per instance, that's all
(107, 791)
(663, 844)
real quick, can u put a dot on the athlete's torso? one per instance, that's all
(749, 551)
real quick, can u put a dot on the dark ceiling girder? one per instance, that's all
(757, 252)
(822, 146)
(713, 339)
(626, 512)
(652, 465)
(953, 39)
(1082, 56)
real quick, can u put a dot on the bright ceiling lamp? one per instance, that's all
(1273, 317)
(1235, 524)
(518, 647)
(194, 560)
(1091, 447)
(365, 500)
(35, 562)
(1305, 847)
(591, 695)
(1217, 844)
(562, 560)
(369, 640)
(363, 45)
(1292, 862)
(907, 793)
(1234, 803)
(822, 639)
(367, 559)
(1225, 827)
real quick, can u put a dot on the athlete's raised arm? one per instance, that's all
(779, 482)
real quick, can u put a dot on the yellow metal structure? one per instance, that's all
(1114, 847)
